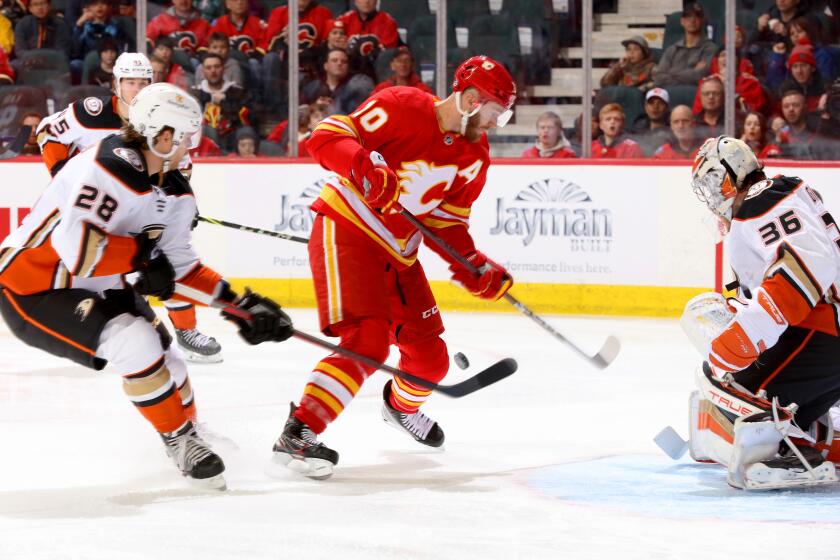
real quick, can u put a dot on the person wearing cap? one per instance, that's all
(634, 69)
(402, 66)
(687, 60)
(802, 31)
(551, 142)
(613, 143)
(803, 75)
(684, 143)
(650, 130)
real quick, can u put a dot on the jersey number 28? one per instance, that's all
(87, 199)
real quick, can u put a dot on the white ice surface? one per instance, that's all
(554, 462)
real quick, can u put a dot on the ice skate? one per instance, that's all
(197, 347)
(194, 458)
(786, 470)
(417, 425)
(298, 449)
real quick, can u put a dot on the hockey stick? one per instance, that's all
(240, 227)
(484, 378)
(17, 144)
(605, 356)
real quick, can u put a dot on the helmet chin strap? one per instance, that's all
(465, 116)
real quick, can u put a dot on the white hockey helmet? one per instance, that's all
(131, 65)
(163, 105)
(719, 171)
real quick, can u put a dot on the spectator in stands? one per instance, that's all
(41, 30)
(345, 92)
(688, 60)
(7, 35)
(795, 134)
(651, 129)
(802, 68)
(244, 30)
(613, 143)
(308, 118)
(709, 119)
(803, 31)
(635, 69)
(772, 26)
(96, 24)
(226, 105)
(32, 120)
(206, 148)
(220, 45)
(551, 142)
(684, 142)
(103, 74)
(313, 22)
(402, 67)
(755, 133)
(247, 143)
(13, 10)
(7, 73)
(336, 39)
(577, 131)
(827, 142)
(750, 95)
(163, 66)
(368, 32)
(183, 23)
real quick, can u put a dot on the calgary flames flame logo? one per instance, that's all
(423, 184)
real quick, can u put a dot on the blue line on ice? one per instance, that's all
(657, 486)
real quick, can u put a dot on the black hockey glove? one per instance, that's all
(267, 321)
(156, 277)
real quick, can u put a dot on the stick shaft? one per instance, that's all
(261, 231)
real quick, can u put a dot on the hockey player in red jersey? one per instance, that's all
(402, 148)
(103, 216)
(772, 349)
(87, 121)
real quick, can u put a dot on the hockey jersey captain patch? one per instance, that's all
(132, 157)
(93, 105)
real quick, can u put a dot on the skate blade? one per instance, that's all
(318, 469)
(217, 482)
(196, 358)
(759, 477)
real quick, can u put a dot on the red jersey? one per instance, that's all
(312, 26)
(377, 25)
(413, 81)
(623, 148)
(668, 151)
(246, 38)
(189, 33)
(560, 153)
(441, 173)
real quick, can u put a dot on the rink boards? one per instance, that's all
(624, 238)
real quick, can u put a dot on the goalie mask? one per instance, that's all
(719, 171)
(161, 106)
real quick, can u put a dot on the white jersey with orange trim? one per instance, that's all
(80, 233)
(82, 124)
(784, 248)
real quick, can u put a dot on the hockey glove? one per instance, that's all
(379, 183)
(155, 277)
(493, 281)
(267, 321)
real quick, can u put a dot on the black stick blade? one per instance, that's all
(484, 378)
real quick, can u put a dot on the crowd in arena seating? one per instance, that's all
(232, 55)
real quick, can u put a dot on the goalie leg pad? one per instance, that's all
(710, 432)
(756, 439)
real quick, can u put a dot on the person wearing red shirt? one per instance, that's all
(244, 30)
(612, 143)
(402, 67)
(684, 143)
(183, 23)
(368, 29)
(551, 142)
(750, 95)
(313, 22)
(755, 134)
(7, 73)
(402, 148)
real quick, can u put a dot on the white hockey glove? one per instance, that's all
(705, 316)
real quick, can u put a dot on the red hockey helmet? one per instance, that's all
(492, 81)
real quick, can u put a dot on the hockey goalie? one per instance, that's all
(771, 369)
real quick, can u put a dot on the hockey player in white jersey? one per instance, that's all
(103, 216)
(84, 123)
(772, 351)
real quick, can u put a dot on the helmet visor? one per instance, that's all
(193, 140)
(493, 112)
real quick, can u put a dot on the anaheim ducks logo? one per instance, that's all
(424, 184)
(84, 308)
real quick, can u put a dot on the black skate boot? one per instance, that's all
(197, 347)
(194, 457)
(786, 470)
(417, 425)
(298, 448)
